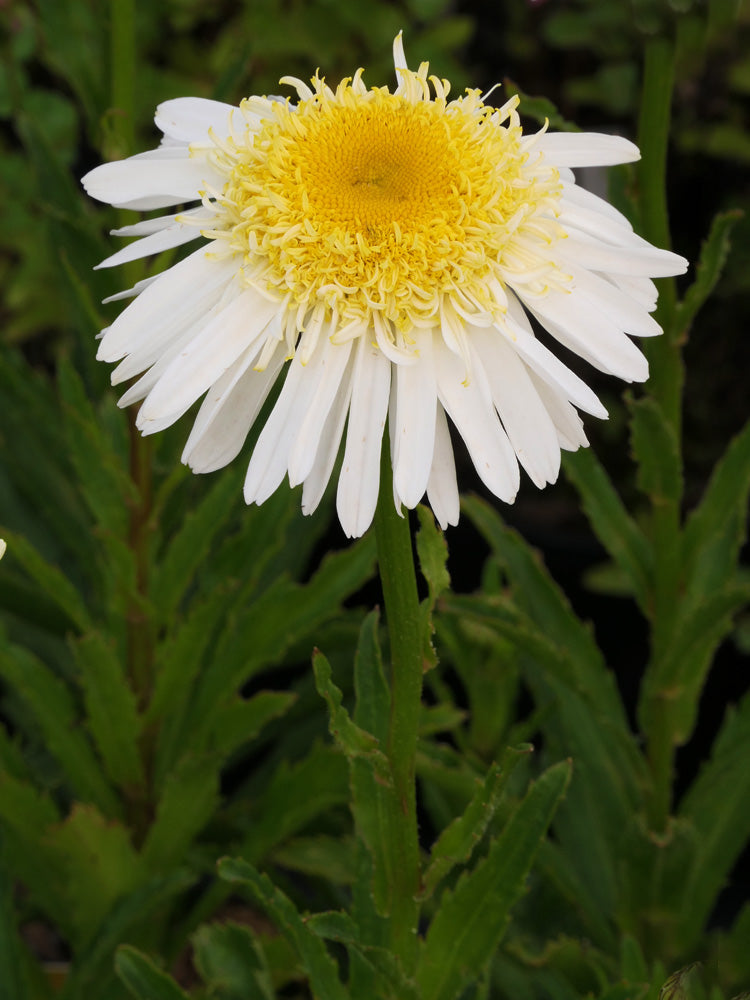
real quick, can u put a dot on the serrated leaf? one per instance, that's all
(456, 843)
(613, 526)
(387, 979)
(714, 253)
(49, 578)
(175, 571)
(329, 858)
(92, 973)
(716, 528)
(241, 720)
(281, 615)
(14, 983)
(104, 483)
(51, 704)
(716, 805)
(433, 554)
(188, 799)
(471, 920)
(682, 672)
(353, 740)
(294, 795)
(656, 450)
(231, 962)
(319, 965)
(98, 865)
(111, 709)
(144, 979)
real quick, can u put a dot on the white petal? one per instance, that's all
(413, 427)
(574, 194)
(591, 291)
(130, 293)
(330, 442)
(568, 424)
(335, 358)
(524, 416)
(209, 354)
(469, 405)
(228, 412)
(578, 325)
(188, 119)
(641, 261)
(539, 359)
(186, 290)
(587, 149)
(270, 458)
(165, 239)
(442, 488)
(146, 184)
(357, 493)
(147, 226)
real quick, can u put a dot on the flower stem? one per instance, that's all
(666, 386)
(123, 62)
(399, 584)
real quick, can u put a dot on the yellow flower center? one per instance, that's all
(388, 209)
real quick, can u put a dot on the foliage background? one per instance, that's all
(59, 422)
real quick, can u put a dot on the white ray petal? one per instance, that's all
(442, 487)
(583, 329)
(270, 458)
(165, 239)
(186, 290)
(525, 418)
(335, 358)
(139, 183)
(568, 424)
(539, 359)
(591, 291)
(148, 226)
(413, 428)
(359, 481)
(188, 119)
(638, 259)
(225, 420)
(209, 354)
(469, 405)
(587, 149)
(330, 441)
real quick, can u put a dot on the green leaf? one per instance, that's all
(188, 800)
(188, 549)
(457, 842)
(371, 784)
(657, 453)
(240, 721)
(353, 740)
(14, 983)
(231, 962)
(328, 858)
(614, 527)
(715, 530)
(320, 967)
(433, 554)
(49, 578)
(716, 805)
(144, 979)
(111, 709)
(98, 866)
(51, 705)
(471, 919)
(103, 480)
(714, 253)
(295, 795)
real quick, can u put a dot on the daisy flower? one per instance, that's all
(381, 255)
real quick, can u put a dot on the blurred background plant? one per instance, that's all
(158, 706)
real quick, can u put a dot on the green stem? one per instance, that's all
(665, 385)
(399, 584)
(664, 353)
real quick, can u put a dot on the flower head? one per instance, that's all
(385, 252)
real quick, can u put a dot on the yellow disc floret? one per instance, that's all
(384, 209)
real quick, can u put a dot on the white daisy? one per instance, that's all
(381, 254)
